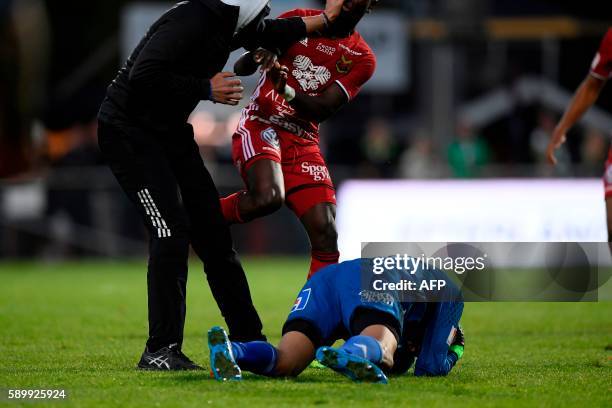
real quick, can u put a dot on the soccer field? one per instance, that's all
(82, 327)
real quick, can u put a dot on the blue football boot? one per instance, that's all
(354, 367)
(222, 362)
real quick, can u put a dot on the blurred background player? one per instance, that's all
(276, 147)
(145, 138)
(386, 330)
(584, 98)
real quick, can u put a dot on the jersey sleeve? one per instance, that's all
(294, 13)
(360, 73)
(435, 359)
(602, 64)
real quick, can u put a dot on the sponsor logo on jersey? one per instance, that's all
(318, 172)
(372, 296)
(350, 51)
(283, 123)
(271, 137)
(310, 76)
(302, 301)
(344, 65)
(326, 49)
(304, 42)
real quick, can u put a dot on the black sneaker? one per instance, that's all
(169, 358)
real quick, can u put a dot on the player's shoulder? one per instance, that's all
(361, 48)
(300, 12)
(184, 16)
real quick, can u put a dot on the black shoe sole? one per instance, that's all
(148, 368)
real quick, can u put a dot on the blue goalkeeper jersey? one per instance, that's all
(425, 313)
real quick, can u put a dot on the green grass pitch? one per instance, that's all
(82, 327)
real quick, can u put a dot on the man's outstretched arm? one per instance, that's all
(322, 107)
(315, 108)
(278, 34)
(584, 98)
(249, 62)
(152, 76)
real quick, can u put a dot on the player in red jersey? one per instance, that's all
(585, 97)
(276, 147)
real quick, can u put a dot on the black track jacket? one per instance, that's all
(169, 71)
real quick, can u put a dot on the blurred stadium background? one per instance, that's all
(466, 95)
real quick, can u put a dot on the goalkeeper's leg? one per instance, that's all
(293, 354)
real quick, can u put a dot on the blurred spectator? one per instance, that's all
(419, 161)
(379, 149)
(67, 198)
(22, 53)
(594, 152)
(468, 153)
(12, 157)
(539, 138)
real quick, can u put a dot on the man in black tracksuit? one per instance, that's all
(144, 136)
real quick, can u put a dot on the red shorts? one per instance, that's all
(307, 179)
(608, 177)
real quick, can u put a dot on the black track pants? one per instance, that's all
(174, 193)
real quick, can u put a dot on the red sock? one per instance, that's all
(322, 259)
(229, 206)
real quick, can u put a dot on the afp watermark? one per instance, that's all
(428, 272)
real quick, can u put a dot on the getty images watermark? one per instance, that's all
(477, 272)
(423, 265)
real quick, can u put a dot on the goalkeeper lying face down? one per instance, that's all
(386, 330)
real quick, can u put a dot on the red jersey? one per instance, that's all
(315, 64)
(602, 64)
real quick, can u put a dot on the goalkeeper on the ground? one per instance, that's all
(386, 330)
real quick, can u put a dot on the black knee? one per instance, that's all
(169, 242)
(268, 199)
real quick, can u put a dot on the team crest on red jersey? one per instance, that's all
(344, 65)
(271, 137)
